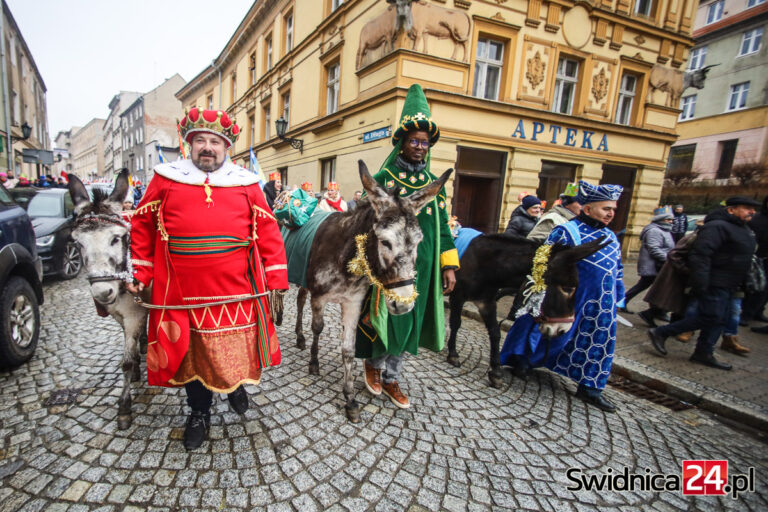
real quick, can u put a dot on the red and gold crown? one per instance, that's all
(211, 121)
(332, 185)
(306, 186)
(274, 176)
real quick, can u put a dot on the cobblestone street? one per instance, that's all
(462, 445)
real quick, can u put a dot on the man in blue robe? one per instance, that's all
(584, 353)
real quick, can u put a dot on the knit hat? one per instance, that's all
(662, 213)
(529, 201)
(416, 116)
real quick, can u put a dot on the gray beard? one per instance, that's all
(206, 168)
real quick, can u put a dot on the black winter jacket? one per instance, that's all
(722, 253)
(270, 193)
(520, 223)
(759, 225)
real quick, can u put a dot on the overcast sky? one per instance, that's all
(89, 50)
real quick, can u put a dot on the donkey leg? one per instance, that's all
(488, 312)
(456, 304)
(350, 312)
(131, 368)
(143, 337)
(301, 299)
(317, 328)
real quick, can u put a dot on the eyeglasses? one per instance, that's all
(414, 143)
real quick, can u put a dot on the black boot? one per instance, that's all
(647, 317)
(657, 341)
(760, 330)
(196, 431)
(596, 398)
(709, 360)
(238, 400)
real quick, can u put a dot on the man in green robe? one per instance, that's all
(382, 339)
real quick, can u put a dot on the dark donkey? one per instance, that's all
(382, 235)
(492, 262)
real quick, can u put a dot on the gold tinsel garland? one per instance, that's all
(359, 266)
(540, 260)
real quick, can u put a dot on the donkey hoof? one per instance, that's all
(496, 380)
(314, 368)
(123, 421)
(353, 413)
(453, 360)
(301, 343)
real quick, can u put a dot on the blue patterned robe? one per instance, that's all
(585, 352)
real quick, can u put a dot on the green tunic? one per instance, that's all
(378, 332)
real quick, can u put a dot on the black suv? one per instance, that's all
(53, 215)
(21, 291)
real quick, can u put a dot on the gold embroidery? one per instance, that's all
(408, 185)
(151, 206)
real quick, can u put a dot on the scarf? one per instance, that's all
(405, 165)
(336, 205)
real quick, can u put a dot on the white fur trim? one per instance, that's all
(228, 175)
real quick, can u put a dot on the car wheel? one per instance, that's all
(71, 261)
(19, 322)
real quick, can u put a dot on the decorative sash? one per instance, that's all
(205, 245)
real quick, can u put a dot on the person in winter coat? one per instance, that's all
(568, 208)
(679, 223)
(272, 189)
(719, 262)
(754, 303)
(524, 217)
(656, 241)
(332, 200)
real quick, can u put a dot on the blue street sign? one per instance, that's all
(381, 133)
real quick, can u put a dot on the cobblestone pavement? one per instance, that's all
(462, 445)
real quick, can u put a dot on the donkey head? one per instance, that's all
(396, 235)
(562, 279)
(102, 235)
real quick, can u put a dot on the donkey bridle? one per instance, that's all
(398, 284)
(126, 275)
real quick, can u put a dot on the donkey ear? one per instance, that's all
(121, 187)
(578, 253)
(78, 192)
(418, 199)
(376, 193)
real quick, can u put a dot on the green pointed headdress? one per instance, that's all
(416, 116)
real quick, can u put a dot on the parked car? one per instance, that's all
(53, 214)
(23, 195)
(21, 290)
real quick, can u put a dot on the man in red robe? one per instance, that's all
(206, 239)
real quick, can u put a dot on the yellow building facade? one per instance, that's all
(529, 95)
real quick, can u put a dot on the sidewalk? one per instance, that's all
(740, 394)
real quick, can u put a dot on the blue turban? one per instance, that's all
(593, 193)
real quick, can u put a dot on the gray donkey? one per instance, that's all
(104, 239)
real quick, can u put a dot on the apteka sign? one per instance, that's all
(556, 134)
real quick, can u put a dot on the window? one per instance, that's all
(752, 3)
(267, 122)
(488, 63)
(286, 114)
(16, 107)
(234, 87)
(288, 32)
(643, 7)
(565, 85)
(335, 4)
(737, 99)
(12, 50)
(283, 175)
(750, 42)
(251, 130)
(332, 86)
(727, 153)
(327, 172)
(209, 102)
(269, 53)
(626, 98)
(253, 68)
(688, 107)
(553, 178)
(715, 11)
(696, 60)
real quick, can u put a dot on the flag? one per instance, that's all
(255, 168)
(182, 148)
(160, 155)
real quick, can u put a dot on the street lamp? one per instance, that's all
(281, 125)
(26, 131)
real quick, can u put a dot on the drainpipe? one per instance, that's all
(6, 106)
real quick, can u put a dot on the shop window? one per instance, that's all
(624, 176)
(332, 88)
(285, 109)
(688, 107)
(696, 60)
(750, 41)
(553, 178)
(727, 153)
(327, 172)
(267, 122)
(566, 81)
(737, 99)
(626, 101)
(288, 30)
(715, 11)
(488, 66)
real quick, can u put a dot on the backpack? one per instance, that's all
(756, 279)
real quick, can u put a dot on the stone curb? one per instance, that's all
(704, 397)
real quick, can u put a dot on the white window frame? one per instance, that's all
(335, 4)
(739, 92)
(752, 3)
(753, 39)
(626, 98)
(332, 88)
(482, 64)
(289, 33)
(715, 11)
(688, 107)
(267, 121)
(648, 4)
(252, 139)
(253, 68)
(697, 58)
(269, 53)
(560, 80)
(286, 99)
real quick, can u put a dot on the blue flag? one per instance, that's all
(255, 168)
(160, 155)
